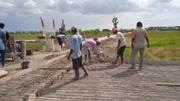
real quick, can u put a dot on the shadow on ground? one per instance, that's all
(55, 88)
(126, 73)
(105, 67)
(56, 69)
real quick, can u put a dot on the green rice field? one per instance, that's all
(164, 45)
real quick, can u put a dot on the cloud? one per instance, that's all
(89, 13)
(5, 7)
(97, 7)
(176, 3)
(26, 8)
(85, 7)
(46, 5)
(165, 5)
(19, 8)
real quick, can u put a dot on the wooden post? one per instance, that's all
(169, 84)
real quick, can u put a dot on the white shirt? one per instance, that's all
(120, 36)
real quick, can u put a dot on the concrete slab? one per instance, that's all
(36, 62)
(117, 83)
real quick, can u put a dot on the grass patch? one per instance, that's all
(164, 45)
(164, 39)
(34, 46)
(26, 36)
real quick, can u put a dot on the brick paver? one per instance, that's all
(117, 83)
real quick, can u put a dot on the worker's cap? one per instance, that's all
(61, 29)
(115, 29)
(73, 28)
(98, 43)
(95, 39)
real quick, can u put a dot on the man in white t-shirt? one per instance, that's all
(121, 45)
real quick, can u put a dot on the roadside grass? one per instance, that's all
(164, 46)
(34, 46)
(26, 36)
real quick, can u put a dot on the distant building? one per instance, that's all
(106, 30)
(162, 28)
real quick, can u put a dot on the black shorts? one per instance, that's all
(60, 41)
(121, 50)
(77, 63)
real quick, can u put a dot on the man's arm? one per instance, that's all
(118, 37)
(71, 48)
(119, 42)
(68, 58)
(81, 46)
(4, 39)
(95, 48)
(81, 40)
(133, 38)
(147, 39)
(132, 42)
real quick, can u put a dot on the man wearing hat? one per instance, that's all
(120, 46)
(75, 53)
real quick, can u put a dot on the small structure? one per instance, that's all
(106, 30)
(12, 49)
(50, 46)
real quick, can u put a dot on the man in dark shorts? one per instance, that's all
(121, 45)
(75, 53)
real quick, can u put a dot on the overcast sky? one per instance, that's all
(25, 15)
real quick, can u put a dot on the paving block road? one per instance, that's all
(108, 82)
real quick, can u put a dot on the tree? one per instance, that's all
(115, 21)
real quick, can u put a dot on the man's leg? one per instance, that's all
(121, 53)
(141, 51)
(82, 66)
(85, 54)
(85, 72)
(133, 55)
(89, 55)
(85, 58)
(2, 52)
(122, 59)
(117, 57)
(59, 41)
(76, 77)
(76, 69)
